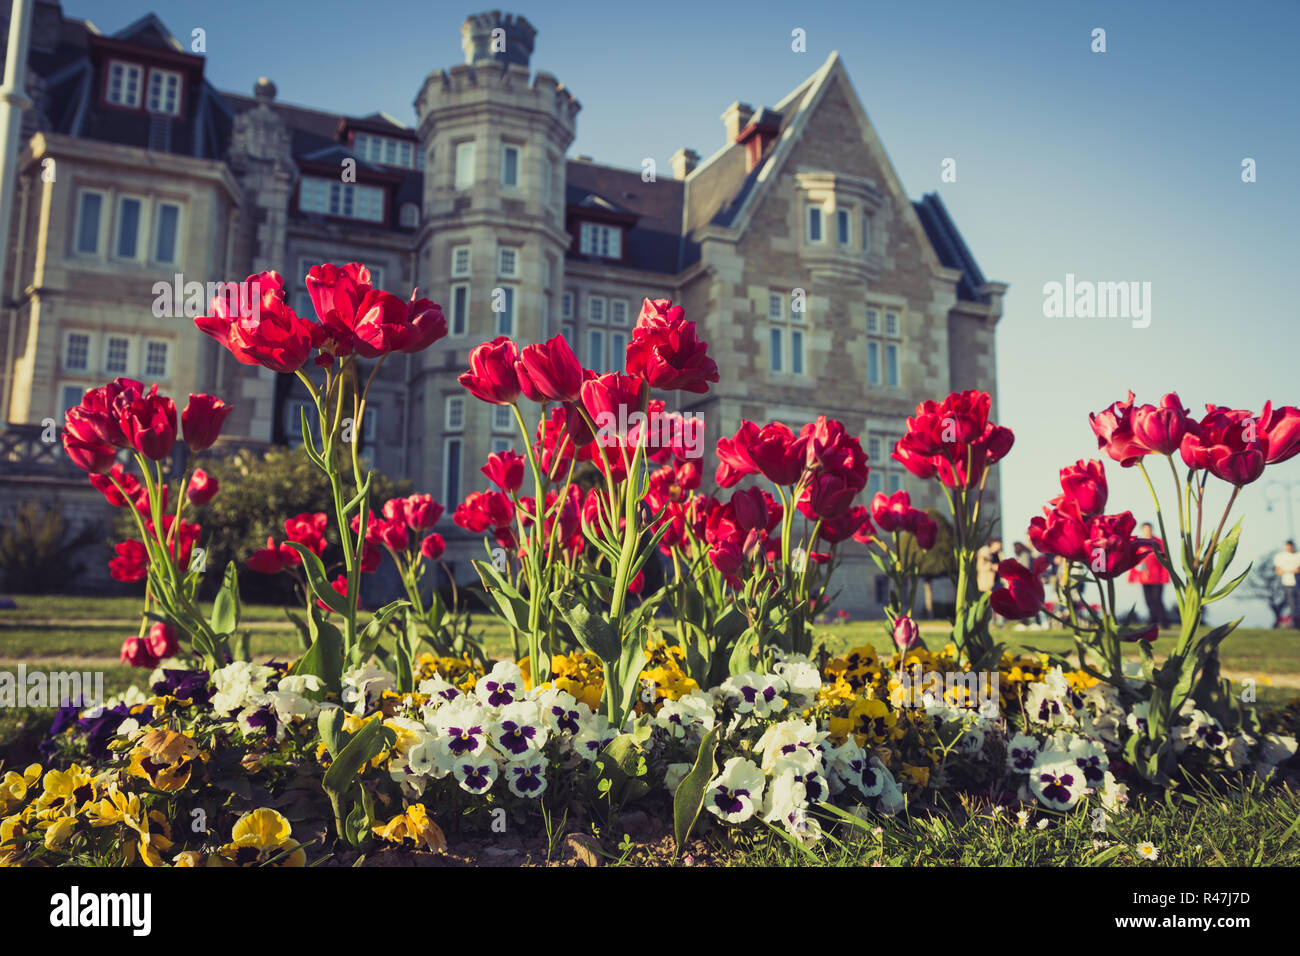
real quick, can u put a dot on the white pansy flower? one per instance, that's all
(759, 694)
(736, 794)
(1022, 753)
(364, 685)
(678, 717)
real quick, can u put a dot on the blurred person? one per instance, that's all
(1286, 564)
(1153, 576)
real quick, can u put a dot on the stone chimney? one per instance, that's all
(497, 38)
(684, 162)
(735, 118)
(759, 133)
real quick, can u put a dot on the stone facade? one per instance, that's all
(819, 285)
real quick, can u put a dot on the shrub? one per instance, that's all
(36, 549)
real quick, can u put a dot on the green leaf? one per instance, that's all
(631, 661)
(317, 580)
(511, 606)
(593, 631)
(1228, 588)
(365, 744)
(368, 640)
(356, 499)
(225, 608)
(325, 656)
(1223, 555)
(330, 726)
(688, 801)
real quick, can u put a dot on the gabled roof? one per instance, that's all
(150, 31)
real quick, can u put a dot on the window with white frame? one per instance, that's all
(76, 352)
(785, 336)
(91, 221)
(503, 419)
(385, 150)
(884, 330)
(156, 353)
(70, 396)
(164, 92)
(345, 200)
(617, 351)
(460, 261)
(814, 230)
(454, 412)
(451, 462)
(459, 323)
(566, 306)
(126, 239)
(509, 165)
(595, 308)
(464, 171)
(603, 241)
(117, 354)
(568, 332)
(886, 474)
(508, 261)
(596, 349)
(124, 80)
(842, 231)
(506, 311)
(166, 232)
(500, 444)
(618, 311)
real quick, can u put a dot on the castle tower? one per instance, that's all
(492, 241)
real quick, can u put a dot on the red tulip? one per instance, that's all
(491, 376)
(835, 530)
(202, 488)
(394, 510)
(161, 641)
(665, 352)
(482, 510)
(1236, 466)
(611, 400)
(1114, 430)
(422, 512)
(268, 560)
(425, 324)
(550, 372)
(1280, 429)
(925, 528)
(370, 558)
(1084, 484)
(131, 563)
(202, 420)
(257, 325)
(749, 510)
(1022, 597)
(1062, 532)
(104, 484)
(136, 653)
(1160, 429)
(394, 536)
(148, 423)
(1111, 549)
(505, 470)
(734, 462)
(907, 633)
(778, 454)
(87, 451)
(433, 547)
(728, 559)
(309, 529)
(97, 418)
(336, 293)
(891, 513)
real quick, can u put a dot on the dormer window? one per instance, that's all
(164, 92)
(385, 150)
(124, 82)
(603, 241)
(344, 200)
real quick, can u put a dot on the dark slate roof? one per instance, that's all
(653, 243)
(950, 247)
(72, 97)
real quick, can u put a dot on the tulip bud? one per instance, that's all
(907, 634)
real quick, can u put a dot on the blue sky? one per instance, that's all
(1115, 166)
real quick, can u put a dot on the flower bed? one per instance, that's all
(704, 704)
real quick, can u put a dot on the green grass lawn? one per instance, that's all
(47, 626)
